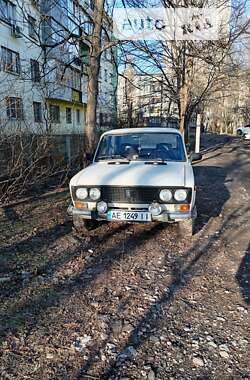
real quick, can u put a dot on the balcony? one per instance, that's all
(65, 83)
(64, 93)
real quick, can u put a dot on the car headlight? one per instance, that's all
(95, 194)
(82, 193)
(180, 195)
(165, 195)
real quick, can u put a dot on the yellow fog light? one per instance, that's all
(102, 207)
(155, 209)
(81, 205)
(184, 208)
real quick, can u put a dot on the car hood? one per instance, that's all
(135, 174)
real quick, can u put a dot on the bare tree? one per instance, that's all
(191, 70)
(68, 42)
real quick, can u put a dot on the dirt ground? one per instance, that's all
(130, 302)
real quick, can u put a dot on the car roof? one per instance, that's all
(141, 130)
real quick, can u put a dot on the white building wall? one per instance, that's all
(107, 90)
(13, 85)
(54, 93)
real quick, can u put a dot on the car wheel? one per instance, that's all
(84, 226)
(186, 228)
(239, 132)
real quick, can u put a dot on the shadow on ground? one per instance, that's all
(196, 257)
(243, 276)
(34, 308)
(210, 180)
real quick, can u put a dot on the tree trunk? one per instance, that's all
(184, 93)
(93, 73)
(91, 115)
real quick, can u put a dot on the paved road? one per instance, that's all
(130, 302)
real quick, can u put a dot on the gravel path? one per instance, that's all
(130, 301)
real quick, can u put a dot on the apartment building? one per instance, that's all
(43, 68)
(107, 99)
(19, 68)
(229, 107)
(142, 101)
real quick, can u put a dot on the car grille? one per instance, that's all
(139, 194)
(130, 194)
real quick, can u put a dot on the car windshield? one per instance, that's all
(149, 146)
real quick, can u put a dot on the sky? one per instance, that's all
(248, 7)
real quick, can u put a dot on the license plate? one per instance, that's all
(131, 216)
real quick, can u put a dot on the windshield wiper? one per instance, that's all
(113, 157)
(156, 162)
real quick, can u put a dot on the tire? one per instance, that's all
(84, 227)
(186, 228)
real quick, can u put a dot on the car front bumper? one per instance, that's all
(165, 216)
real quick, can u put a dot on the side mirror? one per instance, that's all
(195, 157)
(188, 148)
(89, 156)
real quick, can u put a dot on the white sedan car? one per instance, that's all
(137, 175)
(244, 132)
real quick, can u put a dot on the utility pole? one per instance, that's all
(161, 111)
(198, 134)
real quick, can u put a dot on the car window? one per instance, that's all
(142, 146)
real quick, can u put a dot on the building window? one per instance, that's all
(68, 116)
(35, 71)
(78, 117)
(37, 107)
(32, 27)
(76, 9)
(14, 108)
(104, 119)
(10, 61)
(54, 112)
(76, 80)
(105, 75)
(91, 4)
(88, 27)
(7, 10)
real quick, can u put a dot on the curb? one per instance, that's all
(212, 149)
